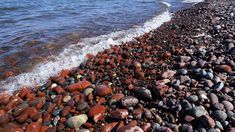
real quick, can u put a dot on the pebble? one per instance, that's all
(81, 105)
(213, 98)
(198, 111)
(208, 121)
(144, 94)
(129, 128)
(77, 121)
(129, 101)
(78, 86)
(119, 114)
(115, 98)
(103, 90)
(96, 112)
(218, 86)
(223, 68)
(227, 105)
(219, 115)
(88, 91)
(66, 98)
(218, 106)
(33, 127)
(192, 98)
(109, 127)
(168, 74)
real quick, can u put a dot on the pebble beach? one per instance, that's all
(179, 77)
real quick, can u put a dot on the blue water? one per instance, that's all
(32, 30)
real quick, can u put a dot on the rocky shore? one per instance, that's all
(179, 77)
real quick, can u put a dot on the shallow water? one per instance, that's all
(64, 31)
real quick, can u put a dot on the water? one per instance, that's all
(39, 38)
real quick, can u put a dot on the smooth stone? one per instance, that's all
(186, 128)
(56, 112)
(97, 112)
(211, 130)
(130, 128)
(192, 98)
(19, 109)
(120, 114)
(77, 121)
(218, 86)
(227, 105)
(210, 75)
(185, 79)
(168, 74)
(198, 111)
(218, 106)
(81, 105)
(144, 94)
(223, 68)
(209, 83)
(213, 98)
(219, 115)
(182, 72)
(219, 125)
(207, 121)
(163, 129)
(103, 90)
(129, 101)
(186, 105)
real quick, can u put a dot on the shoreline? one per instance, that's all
(178, 77)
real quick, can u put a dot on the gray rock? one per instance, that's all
(198, 111)
(77, 121)
(219, 115)
(144, 94)
(213, 98)
(82, 105)
(227, 105)
(192, 98)
(218, 106)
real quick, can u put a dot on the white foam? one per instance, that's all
(166, 3)
(74, 55)
(192, 1)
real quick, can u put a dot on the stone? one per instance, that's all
(115, 98)
(182, 72)
(130, 128)
(198, 111)
(218, 86)
(163, 129)
(218, 106)
(97, 112)
(103, 90)
(129, 101)
(19, 109)
(144, 94)
(192, 98)
(88, 91)
(207, 121)
(227, 105)
(81, 105)
(109, 127)
(168, 74)
(4, 98)
(65, 111)
(223, 68)
(159, 90)
(219, 115)
(213, 98)
(33, 127)
(78, 86)
(77, 121)
(66, 98)
(119, 114)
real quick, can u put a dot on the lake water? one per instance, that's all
(39, 38)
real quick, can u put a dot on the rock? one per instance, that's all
(66, 98)
(168, 74)
(227, 105)
(129, 101)
(186, 128)
(159, 90)
(109, 127)
(4, 119)
(223, 68)
(163, 129)
(130, 128)
(4, 98)
(78, 86)
(186, 105)
(185, 58)
(218, 106)
(209, 83)
(219, 125)
(144, 94)
(82, 105)
(19, 109)
(185, 79)
(219, 115)
(33, 127)
(103, 90)
(213, 98)
(192, 98)
(189, 118)
(65, 111)
(231, 129)
(97, 112)
(218, 86)
(182, 72)
(77, 121)
(119, 114)
(147, 114)
(115, 98)
(207, 121)
(198, 111)
(88, 91)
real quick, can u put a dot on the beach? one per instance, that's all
(178, 77)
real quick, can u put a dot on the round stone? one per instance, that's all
(129, 101)
(77, 121)
(219, 115)
(198, 111)
(66, 98)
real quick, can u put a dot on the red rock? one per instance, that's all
(44, 128)
(30, 96)
(4, 98)
(140, 74)
(231, 129)
(2, 112)
(33, 127)
(120, 125)
(168, 74)
(57, 79)
(4, 119)
(101, 101)
(50, 108)
(138, 111)
(58, 90)
(103, 90)
(63, 119)
(58, 100)
(51, 129)
(65, 111)
(89, 56)
(208, 121)
(109, 127)
(78, 86)
(14, 101)
(41, 94)
(223, 68)
(8, 74)
(137, 65)
(166, 55)
(117, 96)
(97, 112)
(29, 112)
(119, 114)
(23, 92)
(133, 123)
(11, 127)
(64, 73)
(47, 117)
(88, 125)
(129, 128)
(146, 127)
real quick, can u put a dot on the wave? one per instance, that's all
(192, 1)
(74, 55)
